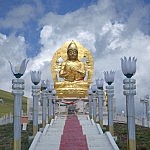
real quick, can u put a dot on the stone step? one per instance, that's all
(51, 140)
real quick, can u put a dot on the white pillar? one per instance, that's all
(53, 104)
(17, 91)
(100, 106)
(50, 107)
(129, 90)
(147, 111)
(94, 97)
(110, 94)
(90, 104)
(35, 94)
(44, 106)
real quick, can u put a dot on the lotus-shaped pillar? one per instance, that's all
(54, 92)
(49, 86)
(18, 71)
(94, 99)
(43, 85)
(89, 91)
(109, 77)
(128, 66)
(99, 83)
(35, 77)
(94, 88)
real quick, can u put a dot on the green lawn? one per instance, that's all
(8, 99)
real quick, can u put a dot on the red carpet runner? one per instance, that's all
(73, 138)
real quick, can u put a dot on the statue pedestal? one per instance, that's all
(76, 89)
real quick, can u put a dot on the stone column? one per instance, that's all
(90, 103)
(100, 106)
(44, 106)
(94, 97)
(50, 106)
(129, 91)
(17, 91)
(54, 103)
(110, 94)
(35, 94)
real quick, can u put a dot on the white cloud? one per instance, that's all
(11, 49)
(46, 33)
(2, 38)
(18, 16)
(99, 30)
(107, 41)
(45, 36)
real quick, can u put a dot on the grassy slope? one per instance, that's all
(142, 137)
(8, 99)
(6, 137)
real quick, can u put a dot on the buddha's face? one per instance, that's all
(72, 54)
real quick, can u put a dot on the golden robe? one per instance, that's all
(72, 70)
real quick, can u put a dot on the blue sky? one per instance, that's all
(60, 7)
(110, 29)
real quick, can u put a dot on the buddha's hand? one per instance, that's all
(73, 69)
(64, 74)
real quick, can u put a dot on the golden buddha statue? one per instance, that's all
(71, 73)
(72, 69)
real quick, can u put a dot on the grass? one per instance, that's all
(7, 106)
(142, 137)
(6, 137)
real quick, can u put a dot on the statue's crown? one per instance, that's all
(72, 45)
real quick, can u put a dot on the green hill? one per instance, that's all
(7, 106)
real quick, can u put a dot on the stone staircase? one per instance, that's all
(89, 136)
(51, 136)
(96, 139)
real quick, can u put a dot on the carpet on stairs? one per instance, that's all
(72, 137)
